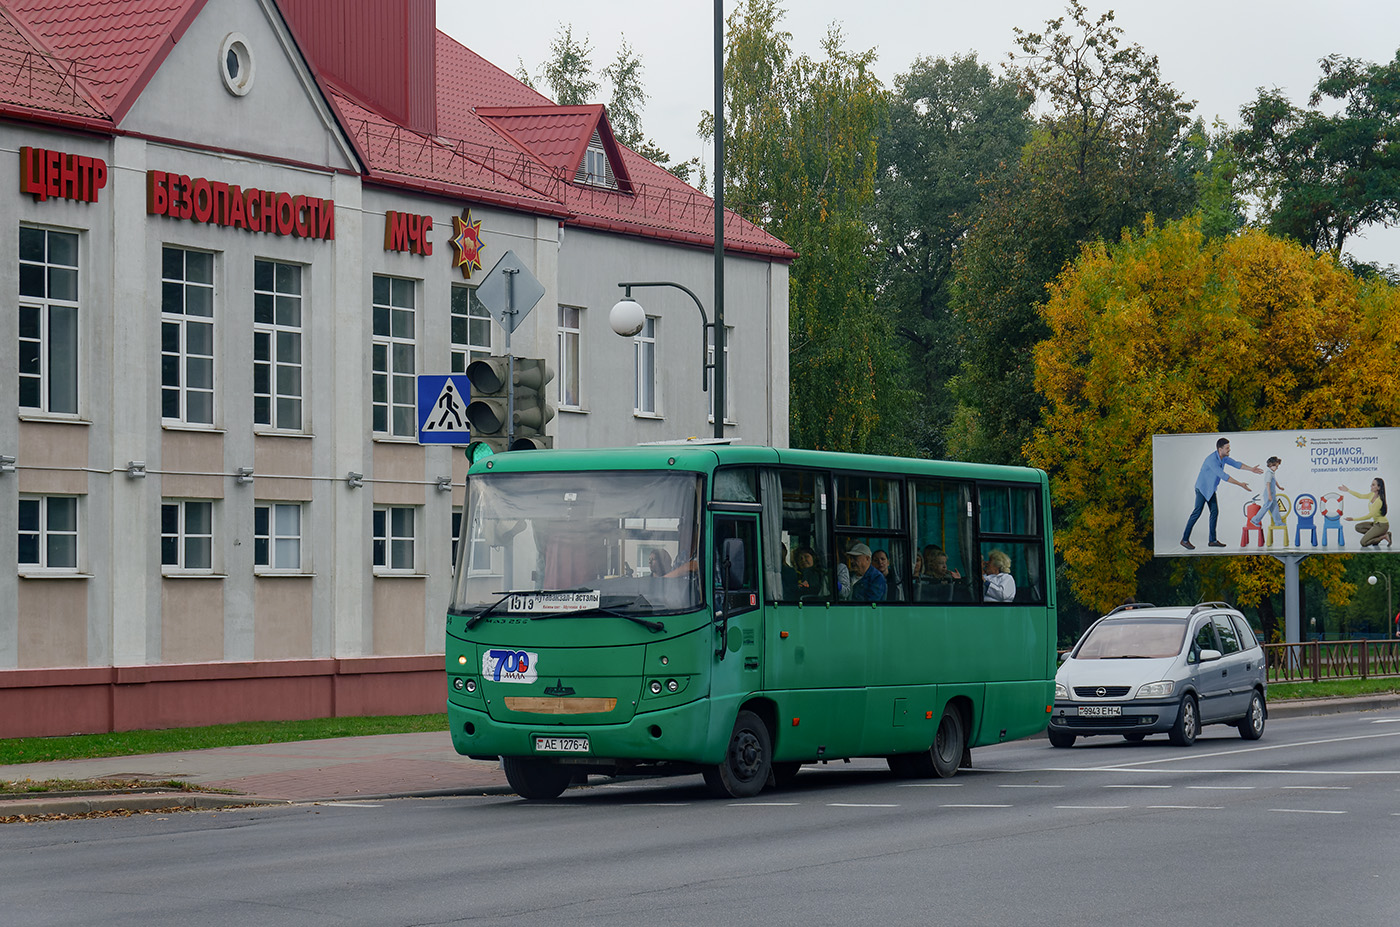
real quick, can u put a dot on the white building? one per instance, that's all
(237, 232)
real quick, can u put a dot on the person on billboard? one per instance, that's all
(1211, 475)
(1376, 525)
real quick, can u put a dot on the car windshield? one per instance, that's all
(1129, 638)
(630, 536)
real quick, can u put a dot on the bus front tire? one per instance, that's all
(536, 779)
(748, 760)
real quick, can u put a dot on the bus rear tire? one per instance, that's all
(536, 779)
(943, 758)
(748, 760)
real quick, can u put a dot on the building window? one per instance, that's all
(395, 399)
(48, 321)
(277, 356)
(594, 169)
(645, 392)
(187, 535)
(471, 328)
(187, 336)
(393, 539)
(710, 359)
(48, 532)
(570, 344)
(277, 536)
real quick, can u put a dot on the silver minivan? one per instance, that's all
(1143, 670)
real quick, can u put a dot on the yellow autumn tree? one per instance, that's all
(1169, 332)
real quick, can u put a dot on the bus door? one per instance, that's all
(738, 617)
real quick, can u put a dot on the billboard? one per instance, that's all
(1313, 492)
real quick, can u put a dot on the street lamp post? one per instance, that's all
(1372, 580)
(627, 318)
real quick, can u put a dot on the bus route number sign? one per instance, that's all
(554, 602)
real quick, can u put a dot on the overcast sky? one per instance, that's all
(1216, 52)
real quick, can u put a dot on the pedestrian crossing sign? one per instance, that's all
(442, 408)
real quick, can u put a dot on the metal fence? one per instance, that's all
(1315, 661)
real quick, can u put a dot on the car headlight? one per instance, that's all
(1061, 691)
(1156, 689)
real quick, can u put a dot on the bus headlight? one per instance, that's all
(655, 687)
(459, 683)
(471, 685)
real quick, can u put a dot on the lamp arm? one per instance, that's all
(706, 365)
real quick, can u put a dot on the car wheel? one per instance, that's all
(748, 760)
(1252, 724)
(1060, 738)
(536, 779)
(1188, 723)
(1134, 738)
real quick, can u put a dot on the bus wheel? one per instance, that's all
(949, 743)
(535, 778)
(748, 761)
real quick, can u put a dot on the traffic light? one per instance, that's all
(532, 410)
(487, 412)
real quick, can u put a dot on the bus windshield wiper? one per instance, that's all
(476, 619)
(601, 610)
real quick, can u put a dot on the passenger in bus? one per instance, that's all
(895, 589)
(938, 582)
(810, 580)
(997, 583)
(789, 575)
(871, 587)
(659, 562)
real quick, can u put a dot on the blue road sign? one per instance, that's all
(442, 408)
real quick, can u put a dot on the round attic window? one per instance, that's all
(236, 64)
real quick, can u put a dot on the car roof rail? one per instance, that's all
(1206, 606)
(1129, 606)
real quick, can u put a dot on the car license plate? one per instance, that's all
(1100, 711)
(561, 744)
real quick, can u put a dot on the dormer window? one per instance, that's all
(595, 169)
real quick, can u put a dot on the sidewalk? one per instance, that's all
(382, 766)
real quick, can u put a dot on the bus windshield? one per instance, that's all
(631, 536)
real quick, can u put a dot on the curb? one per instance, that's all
(1305, 707)
(116, 801)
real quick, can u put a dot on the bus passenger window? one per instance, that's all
(797, 542)
(948, 568)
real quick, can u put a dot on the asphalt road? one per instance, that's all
(1302, 827)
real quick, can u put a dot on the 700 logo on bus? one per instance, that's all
(509, 665)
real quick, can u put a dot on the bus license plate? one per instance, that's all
(561, 744)
(1100, 711)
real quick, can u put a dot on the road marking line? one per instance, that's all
(976, 806)
(1386, 721)
(1092, 807)
(1304, 811)
(1187, 807)
(347, 804)
(844, 804)
(1142, 786)
(1030, 786)
(1202, 756)
(664, 804)
(930, 785)
(1317, 788)
(764, 804)
(1223, 788)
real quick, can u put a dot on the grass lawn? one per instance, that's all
(128, 743)
(1334, 688)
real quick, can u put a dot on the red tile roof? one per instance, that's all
(85, 62)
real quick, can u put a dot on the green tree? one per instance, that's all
(1326, 172)
(569, 70)
(954, 128)
(1169, 331)
(801, 161)
(1111, 147)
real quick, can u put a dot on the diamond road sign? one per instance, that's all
(509, 286)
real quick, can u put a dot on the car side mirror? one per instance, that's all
(1066, 655)
(1208, 655)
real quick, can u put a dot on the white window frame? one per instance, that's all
(644, 398)
(185, 538)
(391, 541)
(570, 361)
(48, 308)
(465, 348)
(45, 534)
(280, 337)
(729, 417)
(393, 361)
(273, 538)
(182, 321)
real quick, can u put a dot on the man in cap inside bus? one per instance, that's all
(871, 587)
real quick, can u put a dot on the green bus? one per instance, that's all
(741, 611)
